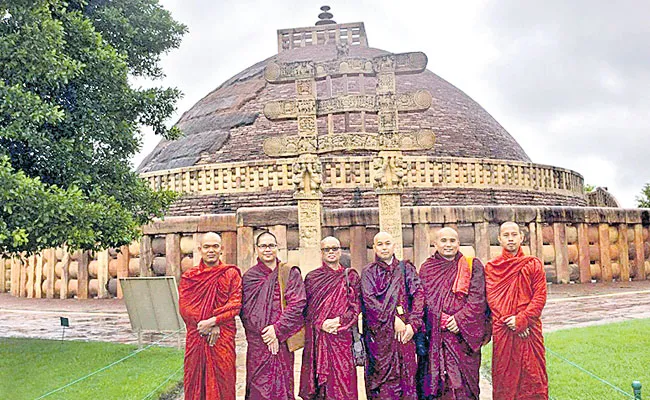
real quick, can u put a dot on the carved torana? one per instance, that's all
(410, 101)
(388, 63)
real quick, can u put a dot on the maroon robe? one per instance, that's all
(328, 370)
(391, 366)
(451, 368)
(270, 376)
(206, 292)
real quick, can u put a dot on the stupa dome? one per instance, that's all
(220, 163)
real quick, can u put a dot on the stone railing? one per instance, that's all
(576, 244)
(353, 172)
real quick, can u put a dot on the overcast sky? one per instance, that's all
(570, 80)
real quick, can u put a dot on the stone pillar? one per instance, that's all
(309, 229)
(245, 250)
(583, 253)
(561, 252)
(146, 256)
(388, 177)
(639, 257)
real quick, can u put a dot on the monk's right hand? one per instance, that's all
(205, 326)
(274, 347)
(213, 335)
(511, 321)
(268, 335)
(525, 333)
(400, 327)
(331, 325)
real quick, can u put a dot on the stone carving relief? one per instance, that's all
(309, 212)
(305, 87)
(307, 176)
(388, 172)
(287, 146)
(307, 125)
(288, 109)
(389, 63)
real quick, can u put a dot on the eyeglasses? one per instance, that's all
(270, 246)
(328, 249)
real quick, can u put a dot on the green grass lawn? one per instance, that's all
(30, 368)
(618, 353)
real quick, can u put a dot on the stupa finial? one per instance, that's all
(325, 18)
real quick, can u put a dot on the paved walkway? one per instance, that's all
(106, 320)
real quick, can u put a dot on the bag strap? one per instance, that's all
(470, 260)
(284, 271)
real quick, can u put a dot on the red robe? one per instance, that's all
(451, 368)
(270, 376)
(328, 370)
(206, 292)
(390, 366)
(516, 285)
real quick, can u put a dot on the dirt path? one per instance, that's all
(568, 306)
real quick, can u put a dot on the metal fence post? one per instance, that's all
(636, 385)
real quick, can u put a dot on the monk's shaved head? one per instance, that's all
(381, 236)
(210, 248)
(209, 236)
(330, 248)
(384, 246)
(447, 243)
(509, 224)
(330, 240)
(510, 237)
(445, 232)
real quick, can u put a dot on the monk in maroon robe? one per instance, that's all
(455, 315)
(333, 306)
(392, 303)
(210, 296)
(269, 363)
(516, 294)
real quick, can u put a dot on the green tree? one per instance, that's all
(587, 188)
(643, 201)
(70, 121)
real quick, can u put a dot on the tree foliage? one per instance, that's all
(70, 120)
(643, 201)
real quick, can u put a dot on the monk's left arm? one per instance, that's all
(471, 318)
(233, 306)
(292, 318)
(538, 300)
(351, 315)
(416, 317)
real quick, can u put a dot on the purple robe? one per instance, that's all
(451, 369)
(270, 376)
(328, 370)
(391, 366)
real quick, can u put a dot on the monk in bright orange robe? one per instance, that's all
(210, 296)
(516, 294)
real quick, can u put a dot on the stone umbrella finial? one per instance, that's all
(325, 18)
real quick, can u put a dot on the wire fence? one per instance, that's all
(104, 368)
(591, 374)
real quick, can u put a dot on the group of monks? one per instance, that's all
(422, 330)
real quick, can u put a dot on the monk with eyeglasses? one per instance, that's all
(272, 311)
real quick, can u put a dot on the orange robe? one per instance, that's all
(206, 292)
(516, 285)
